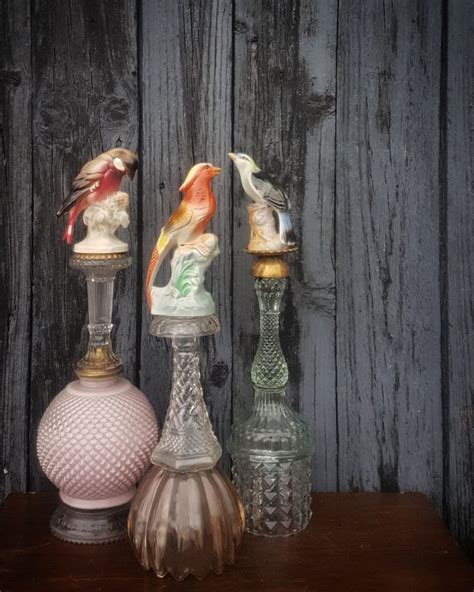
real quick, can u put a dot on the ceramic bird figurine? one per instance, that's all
(264, 191)
(188, 221)
(98, 179)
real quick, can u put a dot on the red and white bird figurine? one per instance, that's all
(97, 180)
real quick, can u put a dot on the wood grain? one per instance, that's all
(284, 116)
(363, 111)
(84, 102)
(186, 80)
(387, 247)
(15, 238)
(458, 354)
(355, 542)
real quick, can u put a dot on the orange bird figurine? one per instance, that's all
(189, 219)
(98, 179)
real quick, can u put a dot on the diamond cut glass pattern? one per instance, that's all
(188, 441)
(271, 449)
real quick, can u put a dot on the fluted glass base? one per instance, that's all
(185, 523)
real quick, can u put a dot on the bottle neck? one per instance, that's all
(187, 442)
(100, 294)
(267, 399)
(269, 368)
(100, 360)
(186, 371)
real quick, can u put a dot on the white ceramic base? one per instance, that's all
(102, 221)
(101, 246)
(185, 295)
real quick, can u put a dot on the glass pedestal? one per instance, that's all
(186, 517)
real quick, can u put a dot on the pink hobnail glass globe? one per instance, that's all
(95, 441)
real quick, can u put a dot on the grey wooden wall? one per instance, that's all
(364, 110)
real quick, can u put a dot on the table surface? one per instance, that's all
(365, 542)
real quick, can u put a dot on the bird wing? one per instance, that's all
(270, 191)
(180, 218)
(91, 173)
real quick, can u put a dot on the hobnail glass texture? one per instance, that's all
(185, 523)
(271, 449)
(95, 441)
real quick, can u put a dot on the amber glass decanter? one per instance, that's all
(186, 517)
(271, 450)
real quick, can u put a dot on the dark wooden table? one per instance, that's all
(356, 542)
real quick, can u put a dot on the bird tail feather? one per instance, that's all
(157, 255)
(67, 234)
(287, 234)
(69, 230)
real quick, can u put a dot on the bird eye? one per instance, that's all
(207, 166)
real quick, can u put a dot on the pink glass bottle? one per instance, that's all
(96, 437)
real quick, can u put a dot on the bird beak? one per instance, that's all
(232, 156)
(216, 171)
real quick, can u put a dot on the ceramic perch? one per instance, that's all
(185, 295)
(263, 233)
(102, 221)
(186, 518)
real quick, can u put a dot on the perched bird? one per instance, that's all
(263, 190)
(189, 219)
(97, 179)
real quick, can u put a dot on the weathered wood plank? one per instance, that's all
(459, 326)
(15, 233)
(387, 247)
(186, 76)
(85, 101)
(285, 74)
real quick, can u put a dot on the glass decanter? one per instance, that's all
(186, 517)
(271, 449)
(96, 436)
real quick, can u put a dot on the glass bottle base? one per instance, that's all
(276, 494)
(89, 527)
(185, 523)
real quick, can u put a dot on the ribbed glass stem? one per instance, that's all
(100, 360)
(270, 400)
(188, 442)
(100, 293)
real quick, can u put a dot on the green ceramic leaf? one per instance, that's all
(184, 282)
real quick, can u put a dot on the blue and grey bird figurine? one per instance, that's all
(263, 190)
